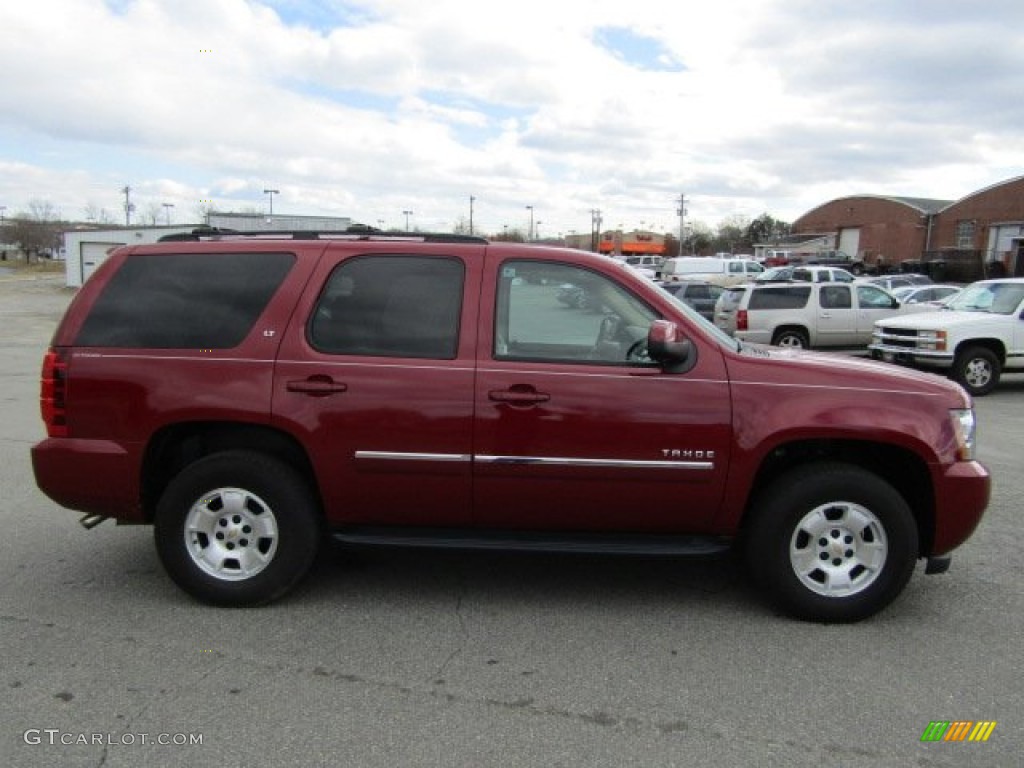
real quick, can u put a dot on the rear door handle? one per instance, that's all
(316, 386)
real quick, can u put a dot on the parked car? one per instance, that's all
(926, 294)
(713, 269)
(699, 294)
(805, 274)
(243, 395)
(892, 282)
(804, 314)
(775, 275)
(649, 264)
(977, 335)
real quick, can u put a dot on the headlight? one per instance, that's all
(963, 431)
(932, 340)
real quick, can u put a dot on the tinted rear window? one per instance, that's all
(781, 297)
(184, 301)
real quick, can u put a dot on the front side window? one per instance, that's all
(561, 313)
(390, 306)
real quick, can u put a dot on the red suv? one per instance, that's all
(247, 394)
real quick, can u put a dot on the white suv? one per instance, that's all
(974, 337)
(804, 314)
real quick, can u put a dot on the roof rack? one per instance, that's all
(352, 233)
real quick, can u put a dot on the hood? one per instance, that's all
(843, 371)
(943, 319)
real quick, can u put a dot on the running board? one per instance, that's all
(516, 541)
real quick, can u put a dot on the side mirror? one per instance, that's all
(666, 346)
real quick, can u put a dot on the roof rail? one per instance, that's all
(361, 232)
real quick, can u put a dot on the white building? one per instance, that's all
(85, 250)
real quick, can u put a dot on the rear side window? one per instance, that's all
(184, 301)
(781, 297)
(390, 306)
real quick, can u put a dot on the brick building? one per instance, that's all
(982, 233)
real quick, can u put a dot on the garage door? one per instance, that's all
(94, 254)
(849, 241)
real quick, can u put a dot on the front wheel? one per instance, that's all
(831, 543)
(237, 528)
(977, 369)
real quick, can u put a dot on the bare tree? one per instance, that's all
(151, 215)
(37, 230)
(97, 215)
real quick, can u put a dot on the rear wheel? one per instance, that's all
(791, 337)
(237, 528)
(977, 369)
(831, 543)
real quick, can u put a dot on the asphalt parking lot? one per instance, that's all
(388, 658)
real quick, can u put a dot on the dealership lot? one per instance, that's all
(395, 658)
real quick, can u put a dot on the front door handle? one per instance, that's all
(316, 386)
(516, 396)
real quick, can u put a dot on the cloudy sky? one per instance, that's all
(368, 108)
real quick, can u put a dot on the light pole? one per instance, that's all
(471, 201)
(681, 211)
(167, 208)
(407, 214)
(530, 235)
(271, 193)
(129, 206)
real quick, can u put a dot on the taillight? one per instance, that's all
(741, 320)
(53, 394)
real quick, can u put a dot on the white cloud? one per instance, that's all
(369, 108)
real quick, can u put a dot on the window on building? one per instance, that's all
(965, 233)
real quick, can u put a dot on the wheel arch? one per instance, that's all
(994, 345)
(791, 326)
(900, 467)
(176, 446)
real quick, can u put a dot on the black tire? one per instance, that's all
(977, 370)
(237, 528)
(831, 542)
(791, 337)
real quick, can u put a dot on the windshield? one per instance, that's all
(994, 298)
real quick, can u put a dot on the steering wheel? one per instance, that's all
(637, 352)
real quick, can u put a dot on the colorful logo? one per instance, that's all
(958, 730)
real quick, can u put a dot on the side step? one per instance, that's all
(531, 541)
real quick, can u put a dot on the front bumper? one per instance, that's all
(962, 493)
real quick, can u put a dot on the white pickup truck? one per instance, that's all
(975, 337)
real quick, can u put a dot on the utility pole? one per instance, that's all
(129, 206)
(681, 211)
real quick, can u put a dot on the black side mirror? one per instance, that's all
(666, 346)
